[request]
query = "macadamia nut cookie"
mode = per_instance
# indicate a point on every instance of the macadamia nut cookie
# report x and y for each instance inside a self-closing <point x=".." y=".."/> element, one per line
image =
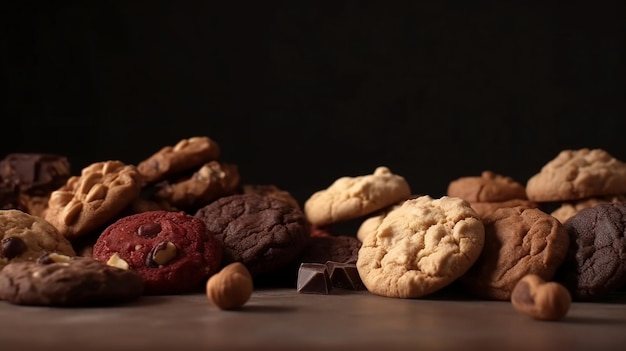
<point x="518" y="241"/>
<point x="352" y="197"/>
<point x="420" y="247"/>
<point x="578" y="174"/>
<point x="25" y="237"/>
<point x="94" y="198"/>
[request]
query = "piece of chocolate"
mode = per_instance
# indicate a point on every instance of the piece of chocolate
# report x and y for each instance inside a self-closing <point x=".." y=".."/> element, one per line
<point x="344" y="275"/>
<point x="313" y="278"/>
<point x="10" y="196"/>
<point x="35" y="173"/>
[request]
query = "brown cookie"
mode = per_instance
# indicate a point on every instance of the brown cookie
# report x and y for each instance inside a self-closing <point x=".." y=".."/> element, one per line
<point x="263" y="233"/>
<point x="484" y="208"/>
<point x="173" y="252"/>
<point x="595" y="264"/>
<point x="518" y="241"/>
<point x="570" y="208"/>
<point x="186" y="155"/>
<point x="578" y="174"/>
<point x="58" y="280"/>
<point x="94" y="198"/>
<point x="36" y="174"/>
<point x="213" y="180"/>
<point x="488" y="187"/>
<point x="271" y="191"/>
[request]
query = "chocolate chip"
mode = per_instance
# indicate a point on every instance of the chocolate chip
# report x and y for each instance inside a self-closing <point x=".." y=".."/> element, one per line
<point x="161" y="254"/>
<point x="13" y="247"/>
<point x="149" y="230"/>
<point x="313" y="278"/>
<point x="344" y="275"/>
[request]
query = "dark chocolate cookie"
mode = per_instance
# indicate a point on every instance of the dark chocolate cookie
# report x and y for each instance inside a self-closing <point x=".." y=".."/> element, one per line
<point x="339" y="248"/>
<point x="596" y="261"/>
<point x="34" y="173"/>
<point x="262" y="232"/>
<point x="172" y="251"/>
<point x="59" y="280"/>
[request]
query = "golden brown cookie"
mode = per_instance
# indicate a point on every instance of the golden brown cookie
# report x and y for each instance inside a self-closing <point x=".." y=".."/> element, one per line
<point x="518" y="241"/>
<point x="24" y="237"/>
<point x="578" y="174"/>
<point x="186" y="155"/>
<point x="570" y="208"/>
<point x="488" y="187"/>
<point x="212" y="181"/>
<point x="94" y="198"/>
<point x="483" y="208"/>
<point x="420" y="247"/>
<point x="353" y="197"/>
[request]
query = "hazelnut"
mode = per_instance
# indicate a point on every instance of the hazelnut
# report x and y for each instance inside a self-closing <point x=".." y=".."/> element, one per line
<point x="539" y="299"/>
<point x="231" y="287"/>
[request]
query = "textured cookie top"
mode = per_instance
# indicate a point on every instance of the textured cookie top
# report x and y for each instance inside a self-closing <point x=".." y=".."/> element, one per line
<point x="67" y="281"/>
<point x="518" y="241"/>
<point x="596" y="260"/>
<point x="92" y="199"/>
<point x="570" y="208"/>
<point x="488" y="187"/>
<point x="352" y="197"/>
<point x="577" y="174"/>
<point x="187" y="154"/>
<point x="420" y="247"/>
<point x="24" y="237"/>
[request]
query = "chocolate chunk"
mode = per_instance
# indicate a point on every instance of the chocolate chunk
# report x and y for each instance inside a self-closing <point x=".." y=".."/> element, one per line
<point x="10" y="196"/>
<point x="13" y="247"/>
<point x="34" y="173"/>
<point x="149" y="230"/>
<point x="313" y="278"/>
<point x="344" y="275"/>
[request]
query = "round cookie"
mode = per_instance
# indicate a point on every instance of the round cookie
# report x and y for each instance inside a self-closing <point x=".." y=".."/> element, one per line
<point x="172" y="251"/>
<point x="211" y="181"/>
<point x="336" y="248"/>
<point x="488" y="187"/>
<point x="578" y="174"/>
<point x="353" y="197"/>
<point x="24" y="237"/>
<point x="570" y="208"/>
<point x="272" y="191"/>
<point x="484" y="208"/>
<point x="94" y="198"/>
<point x="596" y="260"/>
<point x="58" y="280"/>
<point x="420" y="247"/>
<point x="186" y="155"/>
<point x="518" y="241"/>
<point x="262" y="232"/>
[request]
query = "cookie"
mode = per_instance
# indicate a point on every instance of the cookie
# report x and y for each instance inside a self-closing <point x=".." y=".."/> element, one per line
<point x="24" y="237"/>
<point x="271" y="191"/>
<point x="173" y="252"/>
<point x="578" y="174"/>
<point x="353" y="197"/>
<point x="262" y="232"/>
<point x="568" y="209"/>
<point x="518" y="241"/>
<point x="36" y="174"/>
<point x="488" y="187"/>
<point x="336" y="248"/>
<point x="186" y="155"/>
<point x="94" y="198"/>
<point x="10" y="198"/>
<point x="58" y="280"/>
<point x="213" y="180"/>
<point x="420" y="247"/>
<point x="484" y="208"/>
<point x="595" y="264"/>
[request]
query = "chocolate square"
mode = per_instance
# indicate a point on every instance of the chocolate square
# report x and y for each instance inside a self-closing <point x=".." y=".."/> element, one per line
<point x="344" y="275"/>
<point x="313" y="278"/>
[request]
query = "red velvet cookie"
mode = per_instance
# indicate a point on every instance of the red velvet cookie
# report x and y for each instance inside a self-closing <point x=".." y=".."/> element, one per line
<point x="172" y="251"/>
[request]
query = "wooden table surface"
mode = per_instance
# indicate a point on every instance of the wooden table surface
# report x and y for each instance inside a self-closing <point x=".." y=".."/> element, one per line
<point x="282" y="319"/>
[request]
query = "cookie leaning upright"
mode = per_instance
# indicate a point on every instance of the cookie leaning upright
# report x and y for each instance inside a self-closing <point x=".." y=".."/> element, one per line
<point x="420" y="247"/>
<point x="185" y="155"/>
<point x="353" y="197"/>
<point x="25" y="237"/>
<point x="94" y="198"/>
<point x="578" y="174"/>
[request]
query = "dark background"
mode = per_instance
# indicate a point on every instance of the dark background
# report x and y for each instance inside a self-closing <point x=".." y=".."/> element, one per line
<point x="300" y="93"/>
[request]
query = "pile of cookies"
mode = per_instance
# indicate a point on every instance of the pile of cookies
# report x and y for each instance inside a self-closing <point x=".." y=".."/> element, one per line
<point x="181" y="216"/>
